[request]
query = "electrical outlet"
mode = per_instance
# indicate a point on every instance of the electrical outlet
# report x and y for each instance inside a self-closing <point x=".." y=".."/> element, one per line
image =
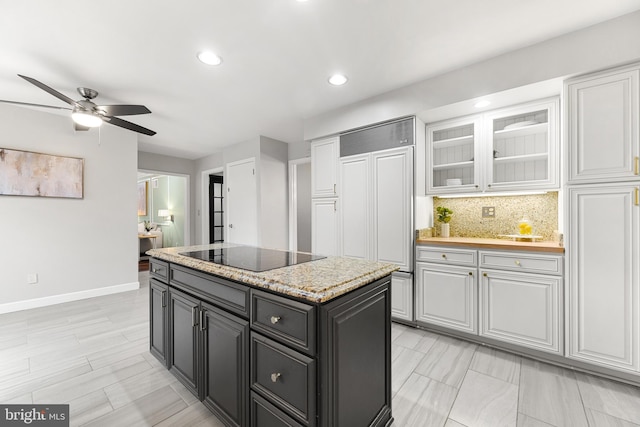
<point x="488" y="212"/>
<point x="32" y="278"/>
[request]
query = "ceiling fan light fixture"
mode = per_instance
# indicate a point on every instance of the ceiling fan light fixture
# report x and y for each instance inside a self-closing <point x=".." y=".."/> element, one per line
<point x="209" y="58"/>
<point x="86" y="119"/>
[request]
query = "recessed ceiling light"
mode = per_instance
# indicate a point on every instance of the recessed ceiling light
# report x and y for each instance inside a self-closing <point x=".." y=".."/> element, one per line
<point x="209" y="58"/>
<point x="483" y="103"/>
<point x="338" y="79"/>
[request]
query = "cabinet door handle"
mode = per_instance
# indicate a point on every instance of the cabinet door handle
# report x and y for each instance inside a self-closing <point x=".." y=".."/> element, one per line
<point x="517" y="262"/>
<point x="334" y="189"/>
<point x="275" y="319"/>
<point x="275" y="376"/>
<point x="194" y="316"/>
<point x="164" y="301"/>
<point x="335" y="207"/>
<point x="444" y="256"/>
<point x="637" y="196"/>
<point x="484" y="274"/>
<point x="471" y="273"/>
<point x="636" y="167"/>
<point x="203" y="325"/>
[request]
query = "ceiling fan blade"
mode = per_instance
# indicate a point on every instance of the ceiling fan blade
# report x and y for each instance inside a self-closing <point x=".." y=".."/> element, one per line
<point x="123" y="110"/>
<point x="53" y="92"/>
<point x="29" y="104"/>
<point x="78" y="127"/>
<point x="128" y="125"/>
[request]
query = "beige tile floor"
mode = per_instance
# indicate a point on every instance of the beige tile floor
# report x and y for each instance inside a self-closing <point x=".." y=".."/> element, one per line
<point x="93" y="354"/>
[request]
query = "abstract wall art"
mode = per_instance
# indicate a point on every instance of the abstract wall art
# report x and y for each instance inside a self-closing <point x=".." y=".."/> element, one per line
<point x="23" y="173"/>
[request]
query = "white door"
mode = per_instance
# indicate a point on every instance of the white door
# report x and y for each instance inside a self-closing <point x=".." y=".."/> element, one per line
<point x="324" y="231"/>
<point x="604" y="288"/>
<point x="392" y="213"/>
<point x="520" y="308"/>
<point x="355" y="209"/>
<point x="402" y="296"/>
<point x="603" y="127"/>
<point x="447" y="296"/>
<point x="242" y="203"/>
<point x="324" y="164"/>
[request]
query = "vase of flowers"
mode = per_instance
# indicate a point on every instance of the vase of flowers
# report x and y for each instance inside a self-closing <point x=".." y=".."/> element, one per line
<point x="444" y="216"/>
<point x="148" y="227"/>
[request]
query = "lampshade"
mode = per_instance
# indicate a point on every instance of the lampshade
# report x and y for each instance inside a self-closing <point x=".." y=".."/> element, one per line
<point x="163" y="213"/>
<point x="86" y="119"/>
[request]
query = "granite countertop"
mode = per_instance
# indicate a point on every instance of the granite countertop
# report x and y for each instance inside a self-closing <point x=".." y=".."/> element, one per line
<point x="474" y="242"/>
<point x="317" y="281"/>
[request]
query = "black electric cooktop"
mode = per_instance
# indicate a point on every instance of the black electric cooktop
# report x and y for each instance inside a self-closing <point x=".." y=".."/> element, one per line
<point x="252" y="258"/>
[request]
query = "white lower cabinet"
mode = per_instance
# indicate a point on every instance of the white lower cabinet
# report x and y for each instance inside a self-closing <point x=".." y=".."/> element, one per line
<point x="402" y="296"/>
<point x="512" y="296"/>
<point x="604" y="275"/>
<point x="447" y="296"/>
<point x="521" y="308"/>
<point x="324" y="226"/>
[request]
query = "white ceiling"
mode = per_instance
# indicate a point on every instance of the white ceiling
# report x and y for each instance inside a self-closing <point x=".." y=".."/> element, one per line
<point x="277" y="55"/>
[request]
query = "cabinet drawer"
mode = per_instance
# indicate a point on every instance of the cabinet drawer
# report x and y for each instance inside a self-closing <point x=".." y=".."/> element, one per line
<point x="285" y="377"/>
<point x="229" y="295"/>
<point x="264" y="414"/>
<point x="291" y="322"/>
<point x="466" y="257"/>
<point x="159" y="269"/>
<point x="525" y="262"/>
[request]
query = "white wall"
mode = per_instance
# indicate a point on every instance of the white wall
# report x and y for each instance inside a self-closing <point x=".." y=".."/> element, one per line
<point x="209" y="163"/>
<point x="600" y="46"/>
<point x="272" y="192"/>
<point x="78" y="247"/>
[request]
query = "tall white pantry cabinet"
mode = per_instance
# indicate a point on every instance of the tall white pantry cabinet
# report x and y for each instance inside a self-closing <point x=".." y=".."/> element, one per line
<point x="324" y="196"/>
<point x="603" y="218"/>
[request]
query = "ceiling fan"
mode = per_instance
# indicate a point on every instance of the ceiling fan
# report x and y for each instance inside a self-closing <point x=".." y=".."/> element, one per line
<point x="86" y="114"/>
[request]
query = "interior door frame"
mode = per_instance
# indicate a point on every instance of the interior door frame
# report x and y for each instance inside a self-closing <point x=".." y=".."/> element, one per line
<point x="187" y="200"/>
<point x="204" y="208"/>
<point x="293" y="201"/>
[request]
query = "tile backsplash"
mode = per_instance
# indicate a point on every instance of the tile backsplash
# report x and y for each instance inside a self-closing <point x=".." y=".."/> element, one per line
<point x="540" y="209"/>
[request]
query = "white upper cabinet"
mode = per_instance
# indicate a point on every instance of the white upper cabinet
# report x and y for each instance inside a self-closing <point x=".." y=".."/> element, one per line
<point x="521" y="150"/>
<point x="513" y="148"/>
<point x="453" y="153"/>
<point x="602" y="126"/>
<point x="324" y="165"/>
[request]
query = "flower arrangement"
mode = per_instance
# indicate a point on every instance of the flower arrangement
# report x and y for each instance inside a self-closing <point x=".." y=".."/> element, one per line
<point x="444" y="214"/>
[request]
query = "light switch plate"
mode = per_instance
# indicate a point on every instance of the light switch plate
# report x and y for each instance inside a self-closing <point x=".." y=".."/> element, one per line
<point x="488" y="212"/>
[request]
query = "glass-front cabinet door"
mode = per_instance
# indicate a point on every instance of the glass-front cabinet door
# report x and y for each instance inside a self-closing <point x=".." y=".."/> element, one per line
<point x="453" y="156"/>
<point x="522" y="147"/>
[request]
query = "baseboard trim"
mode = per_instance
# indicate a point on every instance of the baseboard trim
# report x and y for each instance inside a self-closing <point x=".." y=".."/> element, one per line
<point x="62" y="298"/>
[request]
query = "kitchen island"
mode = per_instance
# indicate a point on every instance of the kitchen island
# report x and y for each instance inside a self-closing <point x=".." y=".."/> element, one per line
<point x="305" y="344"/>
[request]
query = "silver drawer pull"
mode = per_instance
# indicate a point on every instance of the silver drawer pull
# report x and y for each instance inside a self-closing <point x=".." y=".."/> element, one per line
<point x="275" y="376"/>
<point x="517" y="262"/>
<point x="275" y="319"/>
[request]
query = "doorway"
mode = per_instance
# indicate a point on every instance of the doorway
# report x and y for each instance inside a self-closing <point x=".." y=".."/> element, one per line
<point x="216" y="208"/>
<point x="300" y="205"/>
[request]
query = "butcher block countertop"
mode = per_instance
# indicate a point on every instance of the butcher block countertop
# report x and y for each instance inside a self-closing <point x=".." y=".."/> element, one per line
<point x="502" y="244"/>
<point x="317" y="281"/>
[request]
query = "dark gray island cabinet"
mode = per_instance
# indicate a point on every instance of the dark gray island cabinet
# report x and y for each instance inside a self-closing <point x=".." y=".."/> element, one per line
<point x="295" y="346"/>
